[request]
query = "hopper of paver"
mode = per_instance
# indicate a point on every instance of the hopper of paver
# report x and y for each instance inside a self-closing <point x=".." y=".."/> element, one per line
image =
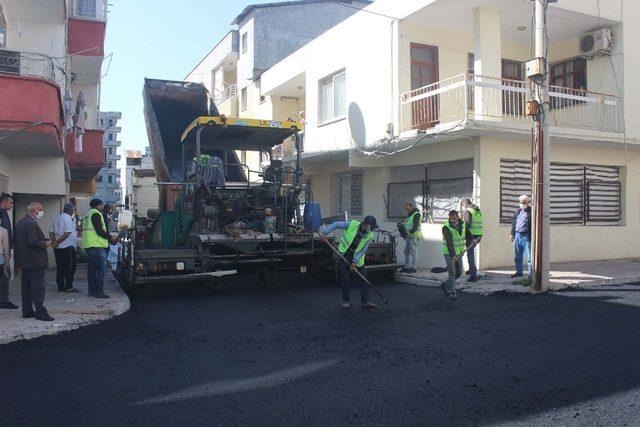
<point x="169" y="107"/>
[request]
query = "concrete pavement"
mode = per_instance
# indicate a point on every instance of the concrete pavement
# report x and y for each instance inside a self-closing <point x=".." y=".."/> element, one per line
<point x="564" y="275"/>
<point x="70" y="311"/>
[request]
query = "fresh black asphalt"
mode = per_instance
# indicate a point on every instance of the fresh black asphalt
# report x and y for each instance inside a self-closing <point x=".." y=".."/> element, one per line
<point x="288" y="355"/>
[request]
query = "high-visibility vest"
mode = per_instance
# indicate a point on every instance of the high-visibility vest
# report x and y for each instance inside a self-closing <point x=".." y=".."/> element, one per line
<point x="204" y="159"/>
<point x="476" y="227"/>
<point x="458" y="239"/>
<point x="90" y="238"/>
<point x="347" y="239"/>
<point x="408" y="225"/>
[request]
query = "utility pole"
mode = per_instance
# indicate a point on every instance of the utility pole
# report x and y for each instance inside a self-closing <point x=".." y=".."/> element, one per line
<point x="540" y="163"/>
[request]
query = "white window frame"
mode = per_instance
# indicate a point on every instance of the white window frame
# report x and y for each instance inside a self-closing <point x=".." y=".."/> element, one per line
<point x="322" y="102"/>
<point x="244" y="42"/>
<point x="82" y="8"/>
<point x="243" y="99"/>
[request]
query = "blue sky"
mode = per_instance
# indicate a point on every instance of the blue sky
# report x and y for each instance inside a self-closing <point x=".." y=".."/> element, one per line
<point x="158" y="39"/>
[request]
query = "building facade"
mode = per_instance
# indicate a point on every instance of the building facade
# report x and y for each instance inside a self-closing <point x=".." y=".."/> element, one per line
<point x="50" y="142"/>
<point x="424" y="101"/>
<point x="263" y="35"/>
<point x="108" y="186"/>
<point x="135" y="160"/>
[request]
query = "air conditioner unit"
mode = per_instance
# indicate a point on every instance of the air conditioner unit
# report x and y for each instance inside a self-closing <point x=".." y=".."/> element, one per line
<point x="597" y="42"/>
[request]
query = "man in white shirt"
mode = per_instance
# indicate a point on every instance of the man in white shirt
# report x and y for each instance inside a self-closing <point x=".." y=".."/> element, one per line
<point x="65" y="237"/>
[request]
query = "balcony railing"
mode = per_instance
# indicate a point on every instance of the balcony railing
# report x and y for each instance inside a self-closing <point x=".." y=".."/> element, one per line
<point x="26" y="64"/>
<point x="475" y="97"/>
<point x="95" y="10"/>
<point x="227" y="92"/>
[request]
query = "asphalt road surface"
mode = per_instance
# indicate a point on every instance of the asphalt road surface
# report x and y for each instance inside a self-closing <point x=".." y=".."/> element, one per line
<point x="290" y="356"/>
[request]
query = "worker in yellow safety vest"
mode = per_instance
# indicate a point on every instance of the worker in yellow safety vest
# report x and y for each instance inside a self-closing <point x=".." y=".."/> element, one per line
<point x="454" y="235"/>
<point x="95" y="242"/>
<point x="412" y="231"/>
<point x="353" y="247"/>
<point x="472" y="217"/>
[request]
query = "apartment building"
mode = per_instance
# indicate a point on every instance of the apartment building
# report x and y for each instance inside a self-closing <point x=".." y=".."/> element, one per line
<point x="135" y="160"/>
<point x="264" y="34"/>
<point x="424" y="101"/>
<point x="50" y="53"/>
<point x="108" y="186"/>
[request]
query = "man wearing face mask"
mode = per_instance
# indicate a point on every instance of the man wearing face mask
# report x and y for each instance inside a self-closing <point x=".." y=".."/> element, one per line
<point x="353" y="246"/>
<point x="64" y="234"/>
<point x="521" y="235"/>
<point x="31" y="257"/>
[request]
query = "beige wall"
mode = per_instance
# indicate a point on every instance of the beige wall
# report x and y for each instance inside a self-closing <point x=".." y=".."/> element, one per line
<point x="38" y="176"/>
<point x="568" y="242"/>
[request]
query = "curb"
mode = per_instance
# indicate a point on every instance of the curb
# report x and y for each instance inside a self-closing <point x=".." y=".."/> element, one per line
<point x="68" y="321"/>
<point x="514" y="289"/>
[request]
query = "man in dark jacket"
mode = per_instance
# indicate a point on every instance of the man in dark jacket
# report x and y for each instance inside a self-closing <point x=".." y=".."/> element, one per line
<point x="6" y="204"/>
<point x="31" y="257"/>
<point x="521" y="235"/>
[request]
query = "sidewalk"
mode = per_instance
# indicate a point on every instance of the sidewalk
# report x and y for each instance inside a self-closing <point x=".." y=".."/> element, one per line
<point x="71" y="311"/>
<point x="564" y="275"/>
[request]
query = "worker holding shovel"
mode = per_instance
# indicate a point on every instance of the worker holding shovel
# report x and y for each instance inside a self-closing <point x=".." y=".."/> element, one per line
<point x="352" y="250"/>
<point x="454" y="235"/>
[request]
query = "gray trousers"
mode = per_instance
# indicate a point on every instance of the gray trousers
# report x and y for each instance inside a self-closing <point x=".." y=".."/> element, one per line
<point x="455" y="271"/>
<point x="410" y="252"/>
<point x="33" y="292"/>
<point x="4" y="285"/>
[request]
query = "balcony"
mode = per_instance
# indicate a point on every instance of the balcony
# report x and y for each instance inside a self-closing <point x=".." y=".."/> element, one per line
<point x="31" y="117"/>
<point x="226" y="100"/>
<point x="86" y="164"/>
<point x="470" y="98"/>
<point x="85" y="39"/>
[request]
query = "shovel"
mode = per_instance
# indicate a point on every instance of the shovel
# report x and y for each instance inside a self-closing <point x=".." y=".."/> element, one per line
<point x="364" y="279"/>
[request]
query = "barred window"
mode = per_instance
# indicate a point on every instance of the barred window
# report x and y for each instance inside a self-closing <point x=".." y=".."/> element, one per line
<point x="401" y="193"/>
<point x="86" y="8"/>
<point x="580" y="194"/>
<point x="346" y="194"/>
<point x="447" y="184"/>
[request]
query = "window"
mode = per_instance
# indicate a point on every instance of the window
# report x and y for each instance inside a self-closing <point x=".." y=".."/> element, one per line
<point x="245" y="42"/>
<point x="110" y="136"/>
<point x="101" y="122"/>
<point x="99" y="178"/>
<point x="3" y="29"/>
<point x="333" y="97"/>
<point x="110" y="122"/>
<point x="110" y="179"/>
<point x="105" y="154"/>
<point x="86" y="8"/>
<point x="243" y="99"/>
<point x="570" y="74"/>
<point x="110" y="151"/>
<point x="580" y="194"/>
<point x="447" y="184"/>
<point x="346" y="194"/>
<point x="400" y="193"/>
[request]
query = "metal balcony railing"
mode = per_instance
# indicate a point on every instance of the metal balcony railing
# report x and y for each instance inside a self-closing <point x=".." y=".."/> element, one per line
<point x="227" y="92"/>
<point x="95" y="10"/>
<point x="27" y="64"/>
<point x="471" y="96"/>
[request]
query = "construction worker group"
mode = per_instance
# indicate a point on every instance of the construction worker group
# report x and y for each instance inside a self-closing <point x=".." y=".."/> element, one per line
<point x="460" y="235"/>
